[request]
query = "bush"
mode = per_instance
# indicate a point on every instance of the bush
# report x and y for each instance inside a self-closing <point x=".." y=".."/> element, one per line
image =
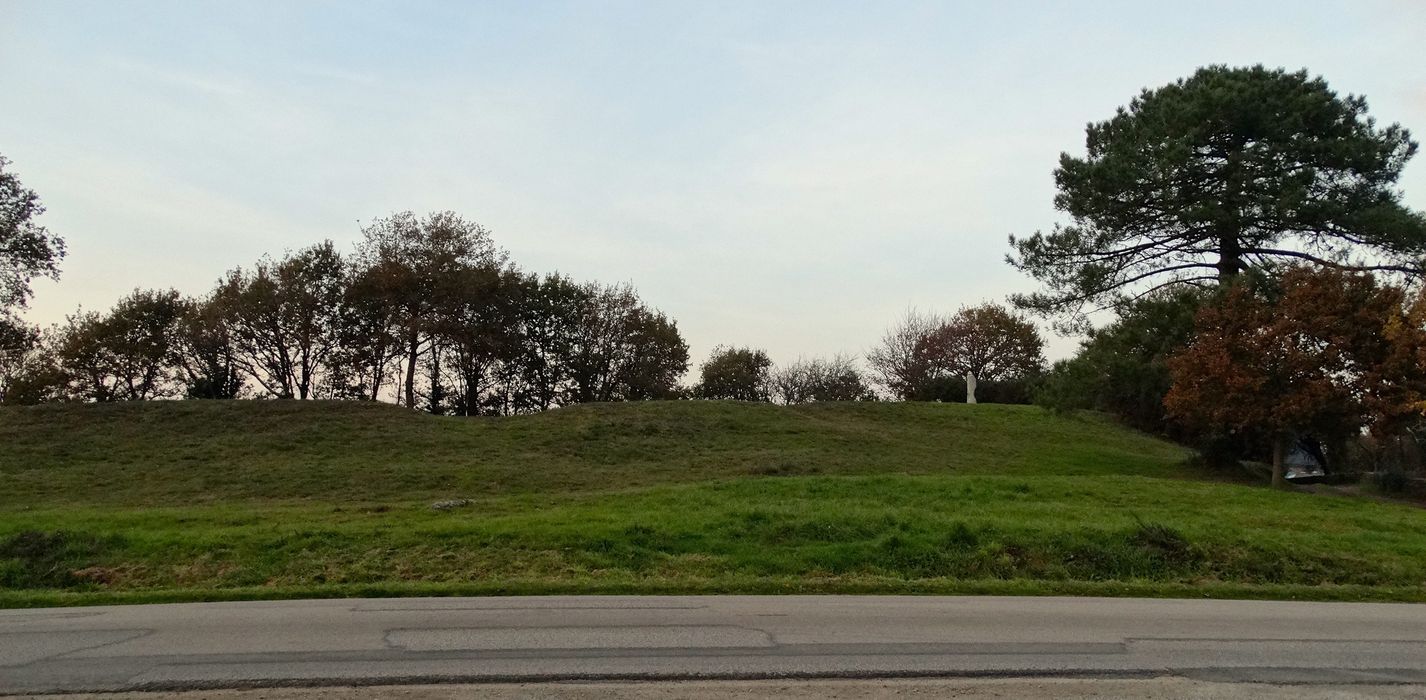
<point x="737" y="374"/>
<point x="38" y="559"/>
<point x="803" y="381"/>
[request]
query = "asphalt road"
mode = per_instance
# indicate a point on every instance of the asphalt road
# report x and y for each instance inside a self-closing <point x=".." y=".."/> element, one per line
<point x="367" y="642"/>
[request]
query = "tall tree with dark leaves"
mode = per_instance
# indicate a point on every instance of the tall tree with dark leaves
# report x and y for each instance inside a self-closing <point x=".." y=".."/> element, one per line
<point x="284" y="316"/>
<point x="623" y="350"/>
<point x="1228" y="170"/>
<point x="17" y="342"/>
<point x="312" y="282"/>
<point x="476" y="329"/>
<point x="125" y="354"/>
<point x="205" y="351"/>
<point x="550" y="314"/>
<point x="252" y="307"/>
<point x="27" y="249"/>
<point x="409" y="257"/>
<point x="361" y="366"/>
<point x="657" y="357"/>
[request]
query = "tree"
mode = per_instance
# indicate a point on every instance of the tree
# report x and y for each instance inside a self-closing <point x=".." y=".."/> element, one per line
<point x="1228" y="170"/>
<point x="34" y="376"/>
<point x="252" y="308"/>
<point x="284" y="317"/>
<point x="622" y="350"/>
<point x="312" y="284"/>
<point x="1326" y="353"/>
<point x="658" y="358"/>
<point x="1122" y="367"/>
<point x="794" y="383"/>
<point x="206" y="352"/>
<point x="601" y="346"/>
<point x="736" y="374"/>
<point x="897" y="367"/>
<point x="408" y="258"/>
<point x="478" y="327"/>
<point x="124" y="355"/>
<point x="360" y="366"/>
<point x="27" y="250"/>
<point x="985" y="342"/>
<point x="550" y="313"/>
<point x="17" y="342"/>
<point x="817" y="379"/>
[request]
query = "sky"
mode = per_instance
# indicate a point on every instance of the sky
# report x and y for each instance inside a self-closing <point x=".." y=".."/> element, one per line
<point x="785" y="175"/>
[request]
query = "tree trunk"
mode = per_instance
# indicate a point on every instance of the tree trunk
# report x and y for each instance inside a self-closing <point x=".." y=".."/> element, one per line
<point x="304" y="382"/>
<point x="472" y="396"/>
<point x="433" y="405"/>
<point x="1280" y="446"/>
<point x="1230" y="257"/>
<point x="412" y="353"/>
<point x="380" y="367"/>
<point x="472" y="375"/>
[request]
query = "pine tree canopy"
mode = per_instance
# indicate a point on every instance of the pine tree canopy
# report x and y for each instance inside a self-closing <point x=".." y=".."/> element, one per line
<point x="1229" y="170"/>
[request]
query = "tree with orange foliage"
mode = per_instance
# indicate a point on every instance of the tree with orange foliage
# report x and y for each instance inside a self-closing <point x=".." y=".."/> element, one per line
<point x="1320" y="351"/>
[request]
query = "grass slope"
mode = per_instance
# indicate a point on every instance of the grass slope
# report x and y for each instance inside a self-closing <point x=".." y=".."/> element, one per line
<point x="203" y="500"/>
<point x="175" y="453"/>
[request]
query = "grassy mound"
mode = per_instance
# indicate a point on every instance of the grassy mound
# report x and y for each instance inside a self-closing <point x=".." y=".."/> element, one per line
<point x="197" y="500"/>
<point x="179" y="453"/>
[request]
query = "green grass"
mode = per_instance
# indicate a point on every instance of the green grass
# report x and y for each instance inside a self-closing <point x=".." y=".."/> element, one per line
<point x="165" y="453"/>
<point x="198" y="500"/>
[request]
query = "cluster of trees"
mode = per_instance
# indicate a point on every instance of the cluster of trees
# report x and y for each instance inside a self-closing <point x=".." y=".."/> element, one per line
<point x="1324" y="352"/>
<point x="426" y="312"/>
<point x="986" y="352"/>
<point x="836" y="378"/>
<point x="748" y="374"/>
<point x="1244" y="226"/>
<point x="924" y="357"/>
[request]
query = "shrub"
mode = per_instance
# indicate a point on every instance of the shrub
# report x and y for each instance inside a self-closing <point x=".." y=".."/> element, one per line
<point x="804" y="381"/>
<point x="38" y="559"/>
<point x="738" y="374"/>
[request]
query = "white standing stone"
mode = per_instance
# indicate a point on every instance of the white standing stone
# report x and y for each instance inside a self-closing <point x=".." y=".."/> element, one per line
<point x="970" y="387"/>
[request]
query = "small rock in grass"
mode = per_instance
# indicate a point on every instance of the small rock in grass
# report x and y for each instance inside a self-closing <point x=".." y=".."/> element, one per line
<point x="453" y="503"/>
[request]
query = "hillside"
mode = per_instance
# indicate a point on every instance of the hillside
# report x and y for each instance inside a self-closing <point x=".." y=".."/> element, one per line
<point x="178" y="453"/>
<point x="213" y="500"/>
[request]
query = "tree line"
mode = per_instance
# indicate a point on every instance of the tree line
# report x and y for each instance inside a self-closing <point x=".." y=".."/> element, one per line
<point x="429" y="313"/>
<point x="426" y="312"/>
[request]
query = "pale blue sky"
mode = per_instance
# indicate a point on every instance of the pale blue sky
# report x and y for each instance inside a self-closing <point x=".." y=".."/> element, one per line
<point x="782" y="174"/>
